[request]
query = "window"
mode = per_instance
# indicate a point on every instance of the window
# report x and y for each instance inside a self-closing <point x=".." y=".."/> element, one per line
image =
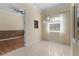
<point x="54" y="27"/>
<point x="56" y="24"/>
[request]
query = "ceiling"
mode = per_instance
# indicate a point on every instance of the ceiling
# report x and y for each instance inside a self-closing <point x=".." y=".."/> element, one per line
<point x="45" y="6"/>
<point x="40" y="6"/>
<point x="13" y="8"/>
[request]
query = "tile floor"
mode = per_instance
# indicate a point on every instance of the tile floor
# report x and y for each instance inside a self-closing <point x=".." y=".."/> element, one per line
<point x="42" y="48"/>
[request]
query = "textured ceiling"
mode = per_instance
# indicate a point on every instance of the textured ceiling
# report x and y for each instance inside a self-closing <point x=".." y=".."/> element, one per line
<point x="44" y="6"/>
<point x="40" y="6"/>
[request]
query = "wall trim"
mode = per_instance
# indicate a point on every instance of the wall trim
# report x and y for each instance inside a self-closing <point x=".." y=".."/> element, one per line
<point x="11" y="38"/>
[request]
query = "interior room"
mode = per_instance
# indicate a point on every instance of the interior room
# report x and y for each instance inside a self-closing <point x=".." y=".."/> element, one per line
<point x="39" y="29"/>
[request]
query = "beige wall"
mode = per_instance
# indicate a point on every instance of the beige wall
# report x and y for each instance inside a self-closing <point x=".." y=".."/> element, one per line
<point x="11" y="21"/>
<point x="31" y="35"/>
<point x="57" y="37"/>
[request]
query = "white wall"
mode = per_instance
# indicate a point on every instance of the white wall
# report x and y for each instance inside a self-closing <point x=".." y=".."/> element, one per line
<point x="11" y="21"/>
<point x="32" y="35"/>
